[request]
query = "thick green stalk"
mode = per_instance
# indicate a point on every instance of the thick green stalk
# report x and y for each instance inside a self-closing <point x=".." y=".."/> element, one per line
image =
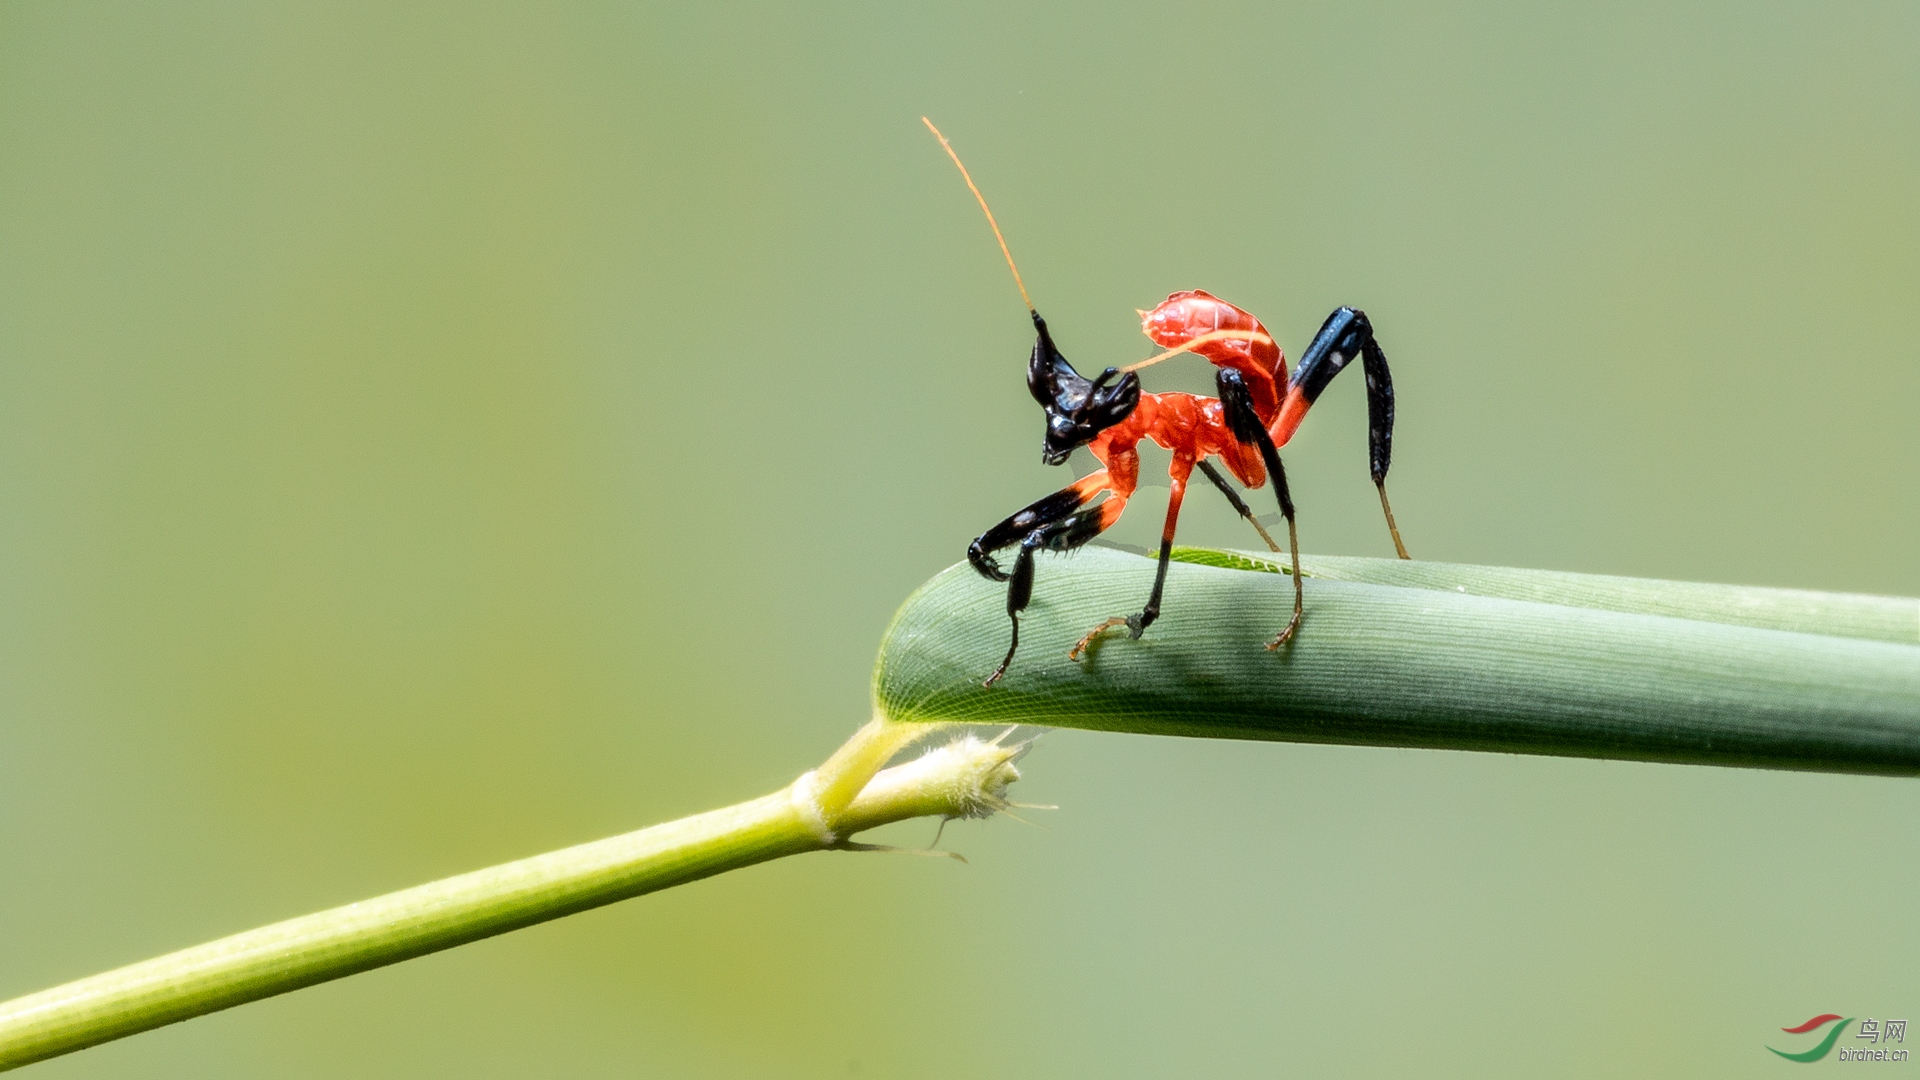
<point x="965" y="779"/>
<point x="1612" y="667"/>
<point x="1877" y="618"/>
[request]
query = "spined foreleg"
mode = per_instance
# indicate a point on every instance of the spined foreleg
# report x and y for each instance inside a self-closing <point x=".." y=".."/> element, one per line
<point x="1064" y="534"/>
<point x="1060" y="522"/>
<point x="1036" y="515"/>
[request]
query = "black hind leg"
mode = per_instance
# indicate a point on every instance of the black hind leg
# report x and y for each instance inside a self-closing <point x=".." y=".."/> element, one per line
<point x="1346" y="334"/>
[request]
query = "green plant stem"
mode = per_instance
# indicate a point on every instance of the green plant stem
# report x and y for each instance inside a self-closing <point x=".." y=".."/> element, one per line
<point x="1608" y="669"/>
<point x="964" y="779"/>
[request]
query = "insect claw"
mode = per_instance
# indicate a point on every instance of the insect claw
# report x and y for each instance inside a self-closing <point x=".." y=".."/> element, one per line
<point x="1285" y="635"/>
<point x="1087" y="642"/>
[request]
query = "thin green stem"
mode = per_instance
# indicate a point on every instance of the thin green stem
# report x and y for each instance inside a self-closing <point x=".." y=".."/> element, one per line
<point x="967" y="778"/>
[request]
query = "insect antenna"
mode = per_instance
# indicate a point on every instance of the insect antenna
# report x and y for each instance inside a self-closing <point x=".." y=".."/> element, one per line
<point x="1210" y="336"/>
<point x="968" y="177"/>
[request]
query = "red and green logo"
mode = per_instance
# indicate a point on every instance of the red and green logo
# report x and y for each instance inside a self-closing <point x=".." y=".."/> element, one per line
<point x="1825" y="1045"/>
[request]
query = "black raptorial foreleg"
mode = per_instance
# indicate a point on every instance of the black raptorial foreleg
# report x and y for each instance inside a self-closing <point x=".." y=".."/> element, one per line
<point x="1346" y="334"/>
<point x="1037" y="515"/>
<point x="1063" y="534"/>
<point x="1245" y="424"/>
<point x="1060" y="522"/>
<point x="1239" y="504"/>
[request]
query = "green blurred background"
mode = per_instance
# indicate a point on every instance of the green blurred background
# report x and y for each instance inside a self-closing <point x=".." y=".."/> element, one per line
<point x="430" y="436"/>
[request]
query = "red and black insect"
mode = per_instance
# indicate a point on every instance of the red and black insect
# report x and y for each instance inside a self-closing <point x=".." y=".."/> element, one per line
<point x="1259" y="408"/>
